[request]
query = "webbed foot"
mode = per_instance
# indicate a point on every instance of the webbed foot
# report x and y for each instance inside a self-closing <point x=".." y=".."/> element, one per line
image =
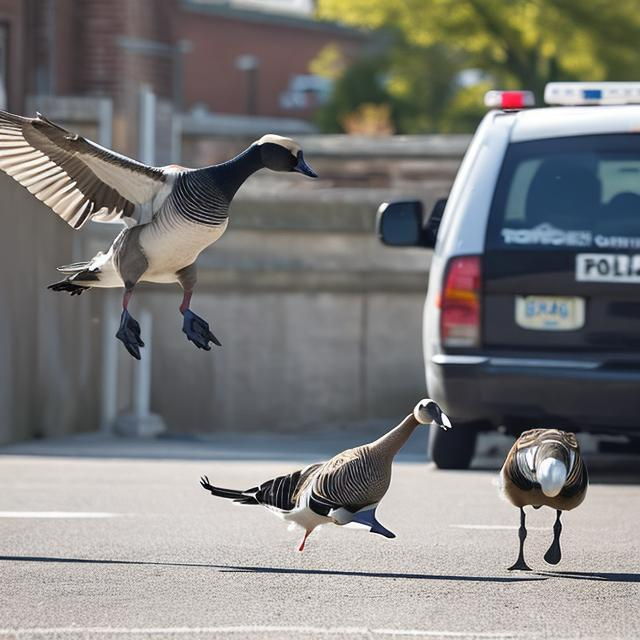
<point x="129" y="334"/>
<point x="554" y="555"/>
<point x="197" y="331"/>
<point x="520" y="565"/>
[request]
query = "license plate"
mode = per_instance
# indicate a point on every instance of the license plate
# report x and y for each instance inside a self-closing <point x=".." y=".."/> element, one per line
<point x="550" y="313"/>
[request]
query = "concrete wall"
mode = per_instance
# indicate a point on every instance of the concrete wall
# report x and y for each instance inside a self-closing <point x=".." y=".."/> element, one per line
<point x="48" y="347"/>
<point x="319" y="322"/>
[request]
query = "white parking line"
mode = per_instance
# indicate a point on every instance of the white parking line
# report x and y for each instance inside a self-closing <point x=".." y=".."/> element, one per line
<point x="245" y="629"/>
<point x="495" y="527"/>
<point x="57" y="514"/>
<point x="443" y="634"/>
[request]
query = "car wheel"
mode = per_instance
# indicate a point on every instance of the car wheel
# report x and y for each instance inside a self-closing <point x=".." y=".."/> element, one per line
<point x="453" y="449"/>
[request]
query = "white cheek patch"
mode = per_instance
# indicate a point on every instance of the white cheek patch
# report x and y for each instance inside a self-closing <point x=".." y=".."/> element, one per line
<point x="281" y="141"/>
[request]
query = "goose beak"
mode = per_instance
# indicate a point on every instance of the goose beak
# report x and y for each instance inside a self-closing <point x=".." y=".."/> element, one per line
<point x="551" y="474"/>
<point x="304" y="168"/>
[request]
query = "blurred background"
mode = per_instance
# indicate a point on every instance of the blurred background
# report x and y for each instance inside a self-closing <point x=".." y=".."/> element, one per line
<point x="320" y="323"/>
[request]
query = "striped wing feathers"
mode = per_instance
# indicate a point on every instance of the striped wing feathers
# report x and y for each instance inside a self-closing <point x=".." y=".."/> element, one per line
<point x="534" y="436"/>
<point x="75" y="177"/>
<point x="282" y="493"/>
<point x="519" y="463"/>
<point x="353" y="479"/>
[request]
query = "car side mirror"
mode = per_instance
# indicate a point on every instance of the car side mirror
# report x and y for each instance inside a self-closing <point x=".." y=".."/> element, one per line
<point x="400" y="224"/>
<point x="433" y="223"/>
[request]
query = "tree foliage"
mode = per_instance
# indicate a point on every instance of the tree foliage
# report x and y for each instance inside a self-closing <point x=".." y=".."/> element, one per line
<point x="520" y="43"/>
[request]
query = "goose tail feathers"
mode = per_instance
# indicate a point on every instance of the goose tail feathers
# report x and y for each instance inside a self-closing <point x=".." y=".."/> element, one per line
<point x="68" y="286"/>
<point x="74" y="267"/>
<point x="241" y="497"/>
<point x="81" y="276"/>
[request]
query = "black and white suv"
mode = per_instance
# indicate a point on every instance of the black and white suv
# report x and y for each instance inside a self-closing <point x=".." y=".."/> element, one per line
<point x="532" y="315"/>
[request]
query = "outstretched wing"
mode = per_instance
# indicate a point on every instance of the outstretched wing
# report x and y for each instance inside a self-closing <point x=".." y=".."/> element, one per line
<point x="75" y="177"/>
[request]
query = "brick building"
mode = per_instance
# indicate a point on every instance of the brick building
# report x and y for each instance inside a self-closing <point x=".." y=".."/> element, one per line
<point x="220" y="57"/>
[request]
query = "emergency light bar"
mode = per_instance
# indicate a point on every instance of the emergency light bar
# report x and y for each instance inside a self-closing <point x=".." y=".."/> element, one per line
<point x="585" y="93"/>
<point x="509" y="99"/>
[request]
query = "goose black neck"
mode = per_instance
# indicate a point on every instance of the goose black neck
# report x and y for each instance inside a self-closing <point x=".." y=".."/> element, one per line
<point x="231" y="175"/>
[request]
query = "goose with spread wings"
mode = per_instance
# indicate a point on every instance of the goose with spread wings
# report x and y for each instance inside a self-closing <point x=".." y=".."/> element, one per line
<point x="170" y="213"/>
<point x="344" y="490"/>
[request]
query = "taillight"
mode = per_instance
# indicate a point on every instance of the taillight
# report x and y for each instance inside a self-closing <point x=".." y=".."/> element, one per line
<point x="460" y="303"/>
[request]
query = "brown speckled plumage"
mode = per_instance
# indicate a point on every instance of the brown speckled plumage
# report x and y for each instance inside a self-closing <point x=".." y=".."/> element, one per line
<point x="544" y="468"/>
<point x="523" y="491"/>
<point x="345" y="489"/>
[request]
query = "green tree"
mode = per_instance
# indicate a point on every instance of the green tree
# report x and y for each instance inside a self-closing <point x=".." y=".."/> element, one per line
<point x="360" y="83"/>
<point x="414" y="82"/>
<point x="524" y="43"/>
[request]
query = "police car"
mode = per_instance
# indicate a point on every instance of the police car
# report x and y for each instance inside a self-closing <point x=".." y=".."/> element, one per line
<point x="532" y="316"/>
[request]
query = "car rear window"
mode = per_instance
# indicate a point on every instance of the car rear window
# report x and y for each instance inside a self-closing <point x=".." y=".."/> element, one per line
<point x="580" y="192"/>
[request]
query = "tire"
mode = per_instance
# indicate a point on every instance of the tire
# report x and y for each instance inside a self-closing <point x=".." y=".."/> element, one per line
<point x="453" y="449"/>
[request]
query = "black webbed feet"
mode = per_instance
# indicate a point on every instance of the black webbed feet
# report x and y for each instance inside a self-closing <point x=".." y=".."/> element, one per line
<point x="520" y="565"/>
<point x="197" y="331"/>
<point x="554" y="554"/>
<point x="129" y="334"/>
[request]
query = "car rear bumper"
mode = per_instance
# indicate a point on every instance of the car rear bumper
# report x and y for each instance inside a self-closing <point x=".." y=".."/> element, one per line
<point x="583" y="394"/>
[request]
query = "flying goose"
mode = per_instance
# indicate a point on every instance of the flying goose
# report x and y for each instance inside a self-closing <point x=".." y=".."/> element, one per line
<point x="344" y="490"/>
<point x="170" y="213"/>
<point x="544" y="468"/>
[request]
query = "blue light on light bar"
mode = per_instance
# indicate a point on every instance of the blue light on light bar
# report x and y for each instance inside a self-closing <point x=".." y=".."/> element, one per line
<point x="590" y="93"/>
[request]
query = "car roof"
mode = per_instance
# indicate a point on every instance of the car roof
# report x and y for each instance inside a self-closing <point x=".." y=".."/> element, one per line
<point x="555" y="122"/>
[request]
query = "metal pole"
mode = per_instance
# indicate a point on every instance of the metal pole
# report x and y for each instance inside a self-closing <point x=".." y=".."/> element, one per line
<point x="142" y="380"/>
<point x="147" y="125"/>
<point x="109" y="398"/>
<point x="142" y="375"/>
<point x="105" y="121"/>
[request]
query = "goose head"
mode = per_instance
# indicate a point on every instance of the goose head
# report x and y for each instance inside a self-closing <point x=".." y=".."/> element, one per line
<point x="283" y="154"/>
<point x="552" y="463"/>
<point x="428" y="411"/>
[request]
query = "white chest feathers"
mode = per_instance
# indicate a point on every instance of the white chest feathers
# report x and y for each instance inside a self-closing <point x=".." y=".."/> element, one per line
<point x="170" y="247"/>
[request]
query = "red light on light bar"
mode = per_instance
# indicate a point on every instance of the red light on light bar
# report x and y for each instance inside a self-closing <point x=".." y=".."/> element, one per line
<point x="512" y="100"/>
<point x="509" y="99"/>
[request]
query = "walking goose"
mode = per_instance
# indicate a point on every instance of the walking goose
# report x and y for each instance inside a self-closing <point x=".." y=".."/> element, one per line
<point x="344" y="490"/>
<point x="170" y="213"/>
<point x="544" y="468"/>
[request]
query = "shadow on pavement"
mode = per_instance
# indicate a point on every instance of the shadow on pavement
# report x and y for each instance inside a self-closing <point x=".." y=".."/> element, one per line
<point x="276" y="570"/>
<point x="370" y="574"/>
<point x="585" y="575"/>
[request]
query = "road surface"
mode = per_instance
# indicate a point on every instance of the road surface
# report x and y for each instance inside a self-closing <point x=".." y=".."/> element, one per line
<point x="102" y="538"/>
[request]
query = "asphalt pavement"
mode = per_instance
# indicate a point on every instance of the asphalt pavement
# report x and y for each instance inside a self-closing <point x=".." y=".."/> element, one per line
<point x="105" y="538"/>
